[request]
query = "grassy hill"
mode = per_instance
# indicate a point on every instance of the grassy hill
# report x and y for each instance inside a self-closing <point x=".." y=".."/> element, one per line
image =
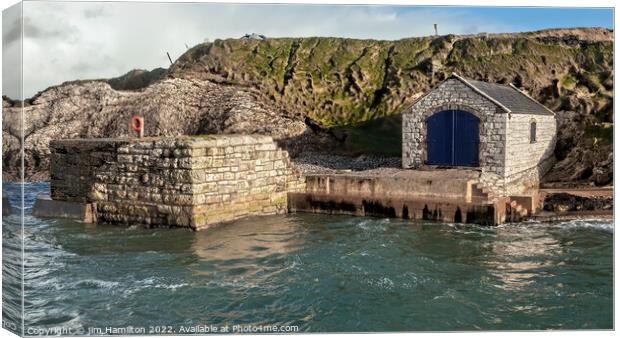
<point x="339" y="82"/>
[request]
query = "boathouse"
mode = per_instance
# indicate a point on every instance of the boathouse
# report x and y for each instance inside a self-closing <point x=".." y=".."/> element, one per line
<point x="495" y="129"/>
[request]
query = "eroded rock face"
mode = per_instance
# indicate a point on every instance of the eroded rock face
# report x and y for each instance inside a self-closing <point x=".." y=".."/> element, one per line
<point x="563" y="202"/>
<point x="170" y="107"/>
<point x="342" y="81"/>
<point x="582" y="157"/>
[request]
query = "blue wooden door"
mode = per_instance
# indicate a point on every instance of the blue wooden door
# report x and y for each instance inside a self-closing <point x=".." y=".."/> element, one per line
<point x="439" y="138"/>
<point x="453" y="138"/>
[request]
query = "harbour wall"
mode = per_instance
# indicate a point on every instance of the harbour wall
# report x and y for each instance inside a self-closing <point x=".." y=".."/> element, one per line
<point x="192" y="182"/>
<point x="417" y="195"/>
<point x="197" y="182"/>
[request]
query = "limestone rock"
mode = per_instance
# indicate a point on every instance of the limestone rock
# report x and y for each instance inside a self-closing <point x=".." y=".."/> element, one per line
<point x="563" y="202"/>
<point x="584" y="156"/>
<point x="92" y="109"/>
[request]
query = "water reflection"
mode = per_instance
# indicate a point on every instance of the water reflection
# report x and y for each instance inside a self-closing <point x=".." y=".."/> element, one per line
<point x="249" y="238"/>
<point x="521" y="254"/>
<point x="246" y="242"/>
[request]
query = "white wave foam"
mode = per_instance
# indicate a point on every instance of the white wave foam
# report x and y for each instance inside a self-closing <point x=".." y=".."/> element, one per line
<point x="97" y="283"/>
<point x="170" y="286"/>
<point x="382" y="283"/>
<point x="151" y="282"/>
<point x="593" y="224"/>
<point x="293" y="262"/>
<point x="603" y="225"/>
<point x="371" y="225"/>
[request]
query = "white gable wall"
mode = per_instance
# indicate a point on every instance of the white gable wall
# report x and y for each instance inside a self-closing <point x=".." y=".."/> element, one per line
<point x="526" y="162"/>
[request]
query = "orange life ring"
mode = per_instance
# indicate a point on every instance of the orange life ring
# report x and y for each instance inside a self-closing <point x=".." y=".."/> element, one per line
<point x="137" y="123"/>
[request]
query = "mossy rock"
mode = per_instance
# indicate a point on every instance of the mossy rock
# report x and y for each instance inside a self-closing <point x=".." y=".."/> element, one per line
<point x="343" y="82"/>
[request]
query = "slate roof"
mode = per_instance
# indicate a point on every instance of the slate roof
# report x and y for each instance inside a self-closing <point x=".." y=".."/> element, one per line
<point x="510" y="98"/>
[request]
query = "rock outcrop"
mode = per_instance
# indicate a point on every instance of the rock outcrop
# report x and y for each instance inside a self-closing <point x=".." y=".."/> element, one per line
<point x="92" y="109"/>
<point x="137" y="78"/>
<point x="340" y="81"/>
<point x="563" y="202"/>
<point x="294" y="88"/>
<point x="584" y="151"/>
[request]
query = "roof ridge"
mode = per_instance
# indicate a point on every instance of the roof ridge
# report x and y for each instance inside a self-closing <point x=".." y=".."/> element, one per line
<point x="529" y="97"/>
<point x="477" y="90"/>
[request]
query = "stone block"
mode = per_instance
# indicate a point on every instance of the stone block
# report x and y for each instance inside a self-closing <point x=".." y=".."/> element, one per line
<point x="161" y="182"/>
<point x="46" y="207"/>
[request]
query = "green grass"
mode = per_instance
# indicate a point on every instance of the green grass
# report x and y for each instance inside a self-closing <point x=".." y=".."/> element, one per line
<point x="602" y="133"/>
<point x="569" y="81"/>
<point x="378" y="136"/>
<point x="340" y="82"/>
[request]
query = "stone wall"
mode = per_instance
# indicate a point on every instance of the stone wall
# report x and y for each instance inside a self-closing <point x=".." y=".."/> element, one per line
<point x="405" y="184"/>
<point x="523" y="154"/>
<point x="526" y="162"/>
<point x="185" y="181"/>
<point x="528" y="180"/>
<point x="453" y="94"/>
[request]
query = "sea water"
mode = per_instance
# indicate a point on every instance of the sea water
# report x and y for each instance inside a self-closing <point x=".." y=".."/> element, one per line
<point x="304" y="272"/>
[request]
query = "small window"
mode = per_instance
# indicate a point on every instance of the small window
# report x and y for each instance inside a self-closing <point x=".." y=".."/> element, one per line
<point x="533" y="132"/>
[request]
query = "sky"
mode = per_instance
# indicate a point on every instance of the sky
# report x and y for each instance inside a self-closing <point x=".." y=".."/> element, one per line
<point x="87" y="40"/>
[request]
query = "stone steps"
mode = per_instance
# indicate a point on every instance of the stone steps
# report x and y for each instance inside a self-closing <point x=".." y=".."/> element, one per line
<point x="518" y="208"/>
<point x="481" y="192"/>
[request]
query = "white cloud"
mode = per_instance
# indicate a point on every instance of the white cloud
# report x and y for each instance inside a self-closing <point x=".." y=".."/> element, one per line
<point x="85" y="40"/>
<point x="11" y="51"/>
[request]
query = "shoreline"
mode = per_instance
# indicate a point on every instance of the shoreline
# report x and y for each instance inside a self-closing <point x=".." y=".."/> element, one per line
<point x="585" y="215"/>
<point x="542" y="216"/>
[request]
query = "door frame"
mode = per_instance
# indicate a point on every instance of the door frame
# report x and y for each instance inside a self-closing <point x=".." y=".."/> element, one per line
<point x="451" y="107"/>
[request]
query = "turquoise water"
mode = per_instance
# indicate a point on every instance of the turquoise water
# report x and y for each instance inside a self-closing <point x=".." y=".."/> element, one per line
<point x="319" y="273"/>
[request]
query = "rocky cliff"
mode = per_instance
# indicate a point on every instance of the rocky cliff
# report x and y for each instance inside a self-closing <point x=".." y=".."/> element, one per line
<point x="293" y="88"/>
<point x="342" y="81"/>
<point x="93" y="109"/>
